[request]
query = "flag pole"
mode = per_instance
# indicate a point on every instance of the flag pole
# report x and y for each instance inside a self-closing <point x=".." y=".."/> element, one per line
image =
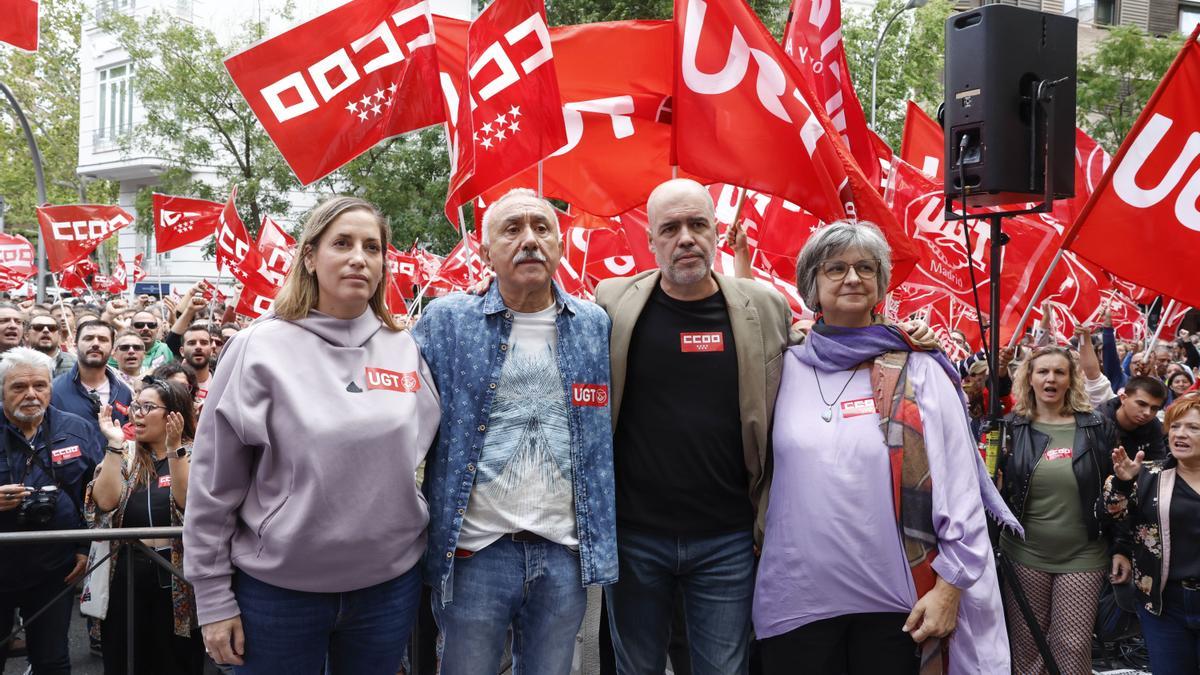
<point x="1037" y="294"/>
<point x="540" y="193"/>
<point x="63" y="307"/>
<point x="583" y="272"/>
<point x="418" y="299"/>
<point x="1162" y="319"/>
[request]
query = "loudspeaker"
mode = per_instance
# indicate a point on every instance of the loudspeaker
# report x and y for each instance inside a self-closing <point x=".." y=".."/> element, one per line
<point x="996" y="56"/>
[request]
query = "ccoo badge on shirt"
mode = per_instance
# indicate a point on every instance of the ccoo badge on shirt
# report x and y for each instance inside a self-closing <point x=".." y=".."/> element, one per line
<point x="702" y="342"/>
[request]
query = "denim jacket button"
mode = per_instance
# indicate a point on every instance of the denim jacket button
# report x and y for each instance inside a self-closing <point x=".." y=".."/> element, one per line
<point x="492" y="385"/>
<point x="503" y="347"/>
<point x="461" y="511"/>
<point x="483" y="427"/>
<point x="471" y="468"/>
<point x="449" y="554"/>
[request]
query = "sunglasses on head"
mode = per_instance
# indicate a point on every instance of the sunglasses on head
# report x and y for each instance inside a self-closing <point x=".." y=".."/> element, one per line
<point x="145" y="324"/>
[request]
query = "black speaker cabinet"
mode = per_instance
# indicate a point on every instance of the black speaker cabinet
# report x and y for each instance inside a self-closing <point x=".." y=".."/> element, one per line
<point x="995" y="57"/>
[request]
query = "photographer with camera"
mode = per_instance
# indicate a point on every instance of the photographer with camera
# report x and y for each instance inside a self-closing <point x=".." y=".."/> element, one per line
<point x="47" y="456"/>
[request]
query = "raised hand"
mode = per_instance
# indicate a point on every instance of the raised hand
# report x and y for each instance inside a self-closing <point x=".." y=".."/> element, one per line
<point x="1126" y="469"/>
<point x="174" y="431"/>
<point x="109" y="427"/>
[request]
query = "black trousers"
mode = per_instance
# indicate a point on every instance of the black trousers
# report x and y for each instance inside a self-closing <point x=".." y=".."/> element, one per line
<point x="854" y="644"/>
<point x="45" y="638"/>
<point x="157" y="649"/>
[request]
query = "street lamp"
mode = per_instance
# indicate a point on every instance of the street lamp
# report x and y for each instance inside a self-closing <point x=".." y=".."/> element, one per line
<point x="911" y="4"/>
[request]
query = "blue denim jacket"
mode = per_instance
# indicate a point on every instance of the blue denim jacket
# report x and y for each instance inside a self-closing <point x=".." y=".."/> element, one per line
<point x="464" y="339"/>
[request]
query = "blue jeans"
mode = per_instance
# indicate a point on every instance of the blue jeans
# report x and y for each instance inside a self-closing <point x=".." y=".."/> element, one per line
<point x="536" y="588"/>
<point x="1173" y="637"/>
<point x="358" y="632"/>
<point x="716" y="576"/>
<point x="46" y="637"/>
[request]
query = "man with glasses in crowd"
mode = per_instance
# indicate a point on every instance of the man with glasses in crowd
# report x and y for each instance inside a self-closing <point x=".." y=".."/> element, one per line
<point x="128" y="351"/>
<point x="42" y="335"/>
<point x="146" y="324"/>
<point x="88" y="385"/>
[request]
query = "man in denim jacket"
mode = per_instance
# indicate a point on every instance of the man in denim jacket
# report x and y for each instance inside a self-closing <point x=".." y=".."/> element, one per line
<point x="520" y="483"/>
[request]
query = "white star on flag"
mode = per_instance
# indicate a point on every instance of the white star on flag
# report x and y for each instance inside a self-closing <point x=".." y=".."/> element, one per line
<point x="486" y="142"/>
<point x="500" y="119"/>
<point x="500" y="133"/>
<point x="487" y="128"/>
<point x="363" y="115"/>
<point x="391" y="89"/>
<point x="514" y="127"/>
<point x="375" y="109"/>
<point x="378" y="93"/>
<point x="352" y="106"/>
<point x="514" y="111"/>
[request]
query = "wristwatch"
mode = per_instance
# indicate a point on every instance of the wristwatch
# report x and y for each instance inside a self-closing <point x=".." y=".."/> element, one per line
<point x="181" y="452"/>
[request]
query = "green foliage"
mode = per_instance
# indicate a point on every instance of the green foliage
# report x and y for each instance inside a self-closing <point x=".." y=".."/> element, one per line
<point x="46" y="85"/>
<point x="910" y="60"/>
<point x="566" y="12"/>
<point x="1116" y="81"/>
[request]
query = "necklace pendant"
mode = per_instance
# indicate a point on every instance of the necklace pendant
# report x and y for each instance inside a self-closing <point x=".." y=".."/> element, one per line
<point x="828" y="414"/>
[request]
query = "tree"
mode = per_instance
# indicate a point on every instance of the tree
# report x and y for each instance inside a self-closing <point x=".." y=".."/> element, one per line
<point x="910" y="61"/>
<point x="46" y="84"/>
<point x="562" y="13"/>
<point x="1115" y="82"/>
<point x="195" y="116"/>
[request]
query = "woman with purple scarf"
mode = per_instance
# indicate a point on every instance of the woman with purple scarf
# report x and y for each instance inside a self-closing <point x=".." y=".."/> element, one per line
<point x="876" y="557"/>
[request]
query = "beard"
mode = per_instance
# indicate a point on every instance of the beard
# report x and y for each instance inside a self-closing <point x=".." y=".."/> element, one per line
<point x="26" y="418"/>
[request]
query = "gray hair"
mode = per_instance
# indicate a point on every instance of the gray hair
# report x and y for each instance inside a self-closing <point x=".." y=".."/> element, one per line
<point x="831" y="240"/>
<point x="489" y="216"/>
<point x="24" y="356"/>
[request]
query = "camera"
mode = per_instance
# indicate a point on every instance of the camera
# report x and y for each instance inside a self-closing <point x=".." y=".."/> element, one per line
<point x="37" y="510"/>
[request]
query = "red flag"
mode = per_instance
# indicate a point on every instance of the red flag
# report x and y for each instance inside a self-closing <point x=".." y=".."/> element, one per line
<point x="210" y="291"/>
<point x="1146" y="206"/>
<point x="459" y="269"/>
<point x="257" y="294"/>
<point x="72" y="232"/>
<point x="1076" y="285"/>
<point x="758" y="127"/>
<point x="328" y="90"/>
<point x="179" y="221"/>
<point x="19" y="26"/>
<point x="17" y="254"/>
<point x="776" y="228"/>
<point x="510" y="114"/>
<point x="813" y="38"/>
<point x="402" y="275"/>
<point x="72" y="280"/>
<point x="138" y="272"/>
<point x="277" y="249"/>
<point x="234" y="251"/>
<point x="923" y="142"/>
<point x="1171" y="321"/>
<point x="10" y="279"/>
<point x="118" y="281"/>
<point x="945" y="261"/>
<point x="100" y="282"/>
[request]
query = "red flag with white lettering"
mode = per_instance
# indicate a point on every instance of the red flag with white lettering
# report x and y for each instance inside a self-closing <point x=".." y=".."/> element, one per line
<point x="235" y="253"/>
<point x="100" y="282"/>
<point x="118" y="281"/>
<point x="138" y="272"/>
<point x="923" y="142"/>
<point x="277" y="249"/>
<point x="19" y="25"/>
<point x="1146" y="206"/>
<point x="72" y="232"/>
<point x="402" y="274"/>
<point x="329" y="89"/>
<point x="459" y="269"/>
<point x="813" y="38"/>
<point x="510" y="113"/>
<point x="179" y="221"/>
<point x="72" y="280"/>
<point x="17" y="254"/>
<point x="759" y="128"/>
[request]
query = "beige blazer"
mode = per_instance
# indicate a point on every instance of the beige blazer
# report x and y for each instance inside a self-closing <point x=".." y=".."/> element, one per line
<point x="760" y="320"/>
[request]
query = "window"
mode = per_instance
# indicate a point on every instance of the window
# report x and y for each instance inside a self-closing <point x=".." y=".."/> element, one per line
<point x="1189" y="16"/>
<point x="105" y="7"/>
<point x="1106" y="12"/>
<point x="116" y="102"/>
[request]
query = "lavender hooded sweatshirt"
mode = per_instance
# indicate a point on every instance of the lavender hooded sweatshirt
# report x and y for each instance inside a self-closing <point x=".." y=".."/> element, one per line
<point x="303" y="470"/>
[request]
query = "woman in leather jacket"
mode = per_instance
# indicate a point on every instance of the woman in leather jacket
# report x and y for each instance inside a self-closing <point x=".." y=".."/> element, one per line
<point x="1059" y="455"/>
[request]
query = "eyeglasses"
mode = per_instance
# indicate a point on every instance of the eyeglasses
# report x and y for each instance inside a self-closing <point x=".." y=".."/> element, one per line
<point x="131" y="348"/>
<point x="145" y="324"/>
<point x="43" y="327"/>
<point x="145" y="408"/>
<point x="836" y="270"/>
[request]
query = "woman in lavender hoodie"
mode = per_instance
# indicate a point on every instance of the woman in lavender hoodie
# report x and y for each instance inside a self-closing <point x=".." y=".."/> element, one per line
<point x="876" y="558"/>
<point x="304" y="521"/>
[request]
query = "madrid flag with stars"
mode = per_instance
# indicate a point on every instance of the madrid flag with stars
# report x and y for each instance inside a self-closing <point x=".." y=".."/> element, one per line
<point x="328" y="90"/>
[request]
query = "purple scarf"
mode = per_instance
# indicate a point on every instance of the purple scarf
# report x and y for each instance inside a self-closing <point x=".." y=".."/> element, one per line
<point x="833" y="348"/>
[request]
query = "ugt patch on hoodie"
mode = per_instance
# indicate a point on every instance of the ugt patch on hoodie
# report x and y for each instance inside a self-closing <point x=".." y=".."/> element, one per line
<point x="390" y="380"/>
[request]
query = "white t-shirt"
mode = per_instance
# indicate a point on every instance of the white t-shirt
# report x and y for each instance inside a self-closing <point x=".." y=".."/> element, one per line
<point x="102" y="391"/>
<point x="523" y="476"/>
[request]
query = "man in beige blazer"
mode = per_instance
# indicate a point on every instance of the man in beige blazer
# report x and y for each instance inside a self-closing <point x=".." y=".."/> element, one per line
<point x="696" y="361"/>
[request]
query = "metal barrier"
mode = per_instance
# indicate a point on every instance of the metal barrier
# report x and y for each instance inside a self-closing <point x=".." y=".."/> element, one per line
<point x="128" y="537"/>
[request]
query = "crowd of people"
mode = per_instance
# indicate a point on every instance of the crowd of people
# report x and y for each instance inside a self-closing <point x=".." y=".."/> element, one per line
<point x="750" y="494"/>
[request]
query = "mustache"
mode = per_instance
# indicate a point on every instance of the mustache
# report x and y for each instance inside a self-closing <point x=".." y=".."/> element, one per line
<point x="526" y="254"/>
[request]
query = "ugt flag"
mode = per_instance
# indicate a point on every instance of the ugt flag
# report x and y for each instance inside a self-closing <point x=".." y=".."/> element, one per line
<point x="1147" y="206"/>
